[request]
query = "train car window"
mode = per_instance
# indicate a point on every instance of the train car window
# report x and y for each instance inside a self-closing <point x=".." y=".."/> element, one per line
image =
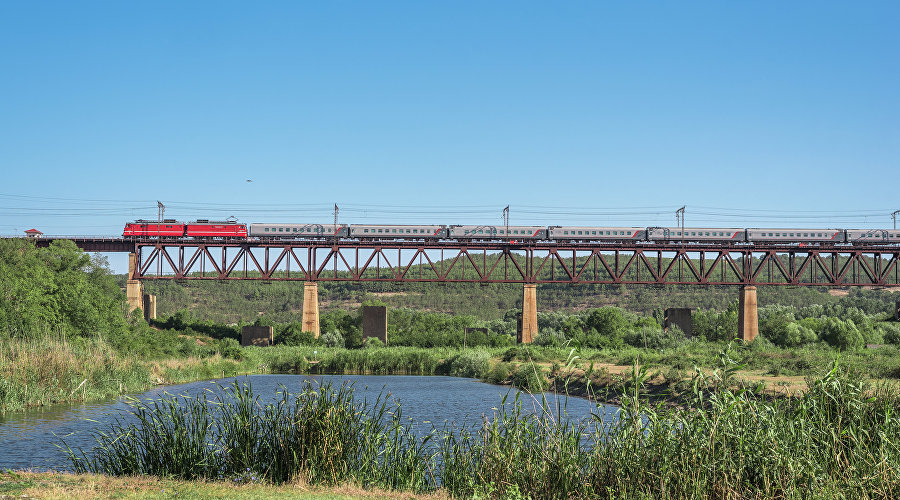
<point x="579" y="232"/>
<point x="365" y="230"/>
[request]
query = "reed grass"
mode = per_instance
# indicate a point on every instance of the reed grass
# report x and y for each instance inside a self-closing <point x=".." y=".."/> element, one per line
<point x="47" y="370"/>
<point x="321" y="435"/>
<point x="841" y="438"/>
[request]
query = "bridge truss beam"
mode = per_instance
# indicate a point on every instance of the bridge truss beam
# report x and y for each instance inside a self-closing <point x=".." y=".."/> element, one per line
<point x="499" y="263"/>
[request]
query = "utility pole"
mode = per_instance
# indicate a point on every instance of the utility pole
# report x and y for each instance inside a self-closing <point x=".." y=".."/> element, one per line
<point x="506" y="221"/>
<point x="679" y="218"/>
<point x="162" y="210"/>
<point x="336" y="210"/>
<point x="894" y="216"/>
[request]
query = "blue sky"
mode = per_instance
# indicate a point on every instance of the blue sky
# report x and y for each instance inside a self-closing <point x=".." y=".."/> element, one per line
<point x="750" y="114"/>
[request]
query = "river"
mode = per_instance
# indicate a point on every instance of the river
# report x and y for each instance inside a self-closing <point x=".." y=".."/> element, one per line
<point x="31" y="439"/>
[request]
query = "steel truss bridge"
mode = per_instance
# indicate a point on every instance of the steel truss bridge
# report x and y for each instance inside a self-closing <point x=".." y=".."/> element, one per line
<point x="497" y="262"/>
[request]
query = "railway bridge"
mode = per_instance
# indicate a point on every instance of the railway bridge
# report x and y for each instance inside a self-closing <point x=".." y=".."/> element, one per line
<point x="312" y="260"/>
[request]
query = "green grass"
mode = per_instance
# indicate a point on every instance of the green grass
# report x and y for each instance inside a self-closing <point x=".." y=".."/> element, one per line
<point x="46" y="371"/>
<point x="841" y="437"/>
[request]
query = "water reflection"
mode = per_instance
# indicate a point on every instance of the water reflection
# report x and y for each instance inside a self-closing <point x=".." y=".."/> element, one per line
<point x="30" y="440"/>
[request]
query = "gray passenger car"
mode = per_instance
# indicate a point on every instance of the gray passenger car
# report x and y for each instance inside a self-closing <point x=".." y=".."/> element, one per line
<point x="696" y="234"/>
<point x="597" y="233"/>
<point x="498" y="232"/>
<point x="397" y="231"/>
<point x="280" y="230"/>
<point x="796" y="235"/>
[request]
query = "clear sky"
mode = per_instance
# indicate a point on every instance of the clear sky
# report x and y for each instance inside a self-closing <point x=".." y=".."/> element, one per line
<point x="607" y="113"/>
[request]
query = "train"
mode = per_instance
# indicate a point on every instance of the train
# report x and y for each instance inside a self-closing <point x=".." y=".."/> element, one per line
<point x="231" y="229"/>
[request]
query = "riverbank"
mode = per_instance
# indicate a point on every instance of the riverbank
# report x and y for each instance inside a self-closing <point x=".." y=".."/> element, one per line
<point x="46" y="371"/>
<point x="729" y="444"/>
<point x="23" y="484"/>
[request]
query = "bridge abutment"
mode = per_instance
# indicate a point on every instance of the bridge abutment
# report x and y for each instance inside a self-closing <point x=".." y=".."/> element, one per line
<point x="311" y="307"/>
<point x="748" y="321"/>
<point x="529" y="328"/>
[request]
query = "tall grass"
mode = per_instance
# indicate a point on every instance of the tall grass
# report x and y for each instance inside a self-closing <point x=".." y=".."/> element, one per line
<point x="45" y="370"/>
<point x="321" y="435"/>
<point x="841" y="438"/>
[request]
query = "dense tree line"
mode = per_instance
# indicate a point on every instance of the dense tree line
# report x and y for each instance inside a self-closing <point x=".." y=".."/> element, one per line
<point x="237" y="301"/>
<point x="59" y="290"/>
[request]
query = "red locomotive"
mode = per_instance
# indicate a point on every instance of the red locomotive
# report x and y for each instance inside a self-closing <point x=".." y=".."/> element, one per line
<point x="170" y="228"/>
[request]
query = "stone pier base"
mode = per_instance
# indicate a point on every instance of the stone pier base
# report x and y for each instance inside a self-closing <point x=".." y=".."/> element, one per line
<point x="311" y="308"/>
<point x="134" y="292"/>
<point x="529" y="328"/>
<point x="748" y="322"/>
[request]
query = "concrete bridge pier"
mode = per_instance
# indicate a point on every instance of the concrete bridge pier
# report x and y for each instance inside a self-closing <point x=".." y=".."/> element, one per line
<point x="748" y="321"/>
<point x="134" y="289"/>
<point x="529" y="328"/>
<point x="311" y="307"/>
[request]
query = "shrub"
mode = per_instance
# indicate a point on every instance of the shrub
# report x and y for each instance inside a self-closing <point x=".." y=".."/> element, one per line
<point x="473" y="364"/>
<point x="842" y="334"/>
<point x="530" y="378"/>
<point x="294" y="335"/>
<point x="332" y="338"/>
<point x="653" y="337"/>
<point x="498" y="374"/>
<point x="373" y="342"/>
<point x="353" y="338"/>
<point x="230" y="348"/>
<point x="891" y="333"/>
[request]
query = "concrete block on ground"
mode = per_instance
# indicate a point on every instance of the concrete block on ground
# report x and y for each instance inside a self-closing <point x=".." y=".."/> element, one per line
<point x="149" y="307"/>
<point x="257" y="335"/>
<point x="680" y="317"/>
<point x="374" y="322"/>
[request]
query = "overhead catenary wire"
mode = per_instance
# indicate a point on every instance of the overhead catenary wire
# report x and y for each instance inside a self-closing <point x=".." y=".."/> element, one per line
<point x="42" y="210"/>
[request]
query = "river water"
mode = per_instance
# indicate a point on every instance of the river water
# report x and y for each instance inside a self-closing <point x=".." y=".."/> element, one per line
<point x="31" y="439"/>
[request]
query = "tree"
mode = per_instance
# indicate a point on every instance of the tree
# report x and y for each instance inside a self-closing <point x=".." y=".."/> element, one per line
<point x="842" y="334"/>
